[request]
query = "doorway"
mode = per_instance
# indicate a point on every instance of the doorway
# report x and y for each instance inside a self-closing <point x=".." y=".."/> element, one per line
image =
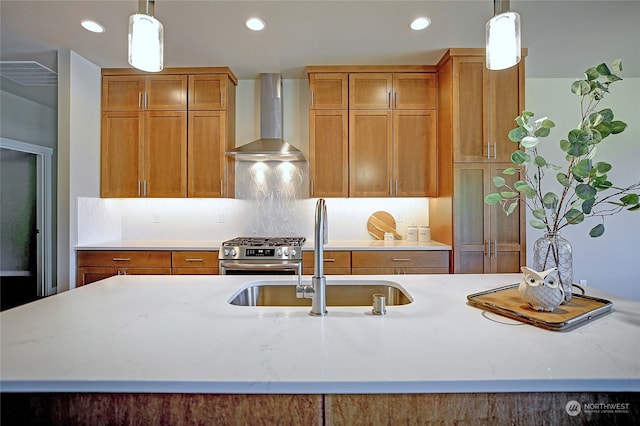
<point x="25" y="223"/>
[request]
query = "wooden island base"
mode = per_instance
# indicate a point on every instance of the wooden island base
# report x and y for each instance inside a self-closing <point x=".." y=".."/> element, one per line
<point x="301" y="409"/>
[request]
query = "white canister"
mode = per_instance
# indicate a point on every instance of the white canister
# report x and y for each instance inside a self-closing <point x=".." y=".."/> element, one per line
<point x="424" y="233"/>
<point x="412" y="233"/>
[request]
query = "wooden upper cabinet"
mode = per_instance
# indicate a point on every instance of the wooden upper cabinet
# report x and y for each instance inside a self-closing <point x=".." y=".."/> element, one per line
<point x="414" y="91"/>
<point x="137" y="93"/>
<point x="370" y="90"/>
<point x="121" y="154"/>
<point x="487" y="102"/>
<point x="328" y="91"/>
<point x="329" y="153"/>
<point x="370" y="153"/>
<point x="206" y="153"/>
<point x="165" y="154"/>
<point x="415" y="153"/>
<point x="208" y="92"/>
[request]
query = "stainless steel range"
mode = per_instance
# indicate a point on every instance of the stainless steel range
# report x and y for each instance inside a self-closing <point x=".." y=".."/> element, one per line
<point x="261" y="255"/>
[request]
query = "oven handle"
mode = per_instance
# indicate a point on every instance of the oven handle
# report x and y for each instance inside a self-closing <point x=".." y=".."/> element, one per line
<point x="260" y="266"/>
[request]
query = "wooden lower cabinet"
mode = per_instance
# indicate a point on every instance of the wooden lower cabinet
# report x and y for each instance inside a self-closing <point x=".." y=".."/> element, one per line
<point x="95" y="265"/>
<point x="194" y="262"/>
<point x="313" y="409"/>
<point x="399" y="262"/>
<point x="335" y="262"/>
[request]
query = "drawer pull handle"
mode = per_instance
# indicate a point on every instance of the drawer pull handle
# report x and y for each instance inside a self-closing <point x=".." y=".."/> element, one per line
<point x="329" y="260"/>
<point x="402" y="259"/>
<point x="194" y="259"/>
<point x="121" y="259"/>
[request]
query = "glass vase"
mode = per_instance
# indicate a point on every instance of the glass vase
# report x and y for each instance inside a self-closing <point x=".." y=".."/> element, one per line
<point x="551" y="250"/>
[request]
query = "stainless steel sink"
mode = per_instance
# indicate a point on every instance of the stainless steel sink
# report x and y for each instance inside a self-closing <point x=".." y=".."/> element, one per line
<point x="339" y="293"/>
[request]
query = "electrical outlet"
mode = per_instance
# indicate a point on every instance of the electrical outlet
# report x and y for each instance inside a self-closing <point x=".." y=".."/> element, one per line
<point x="156" y="218"/>
<point x="220" y="217"/>
<point x="583" y="283"/>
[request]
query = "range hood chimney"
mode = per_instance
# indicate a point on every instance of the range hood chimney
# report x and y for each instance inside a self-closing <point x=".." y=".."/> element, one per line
<point x="270" y="146"/>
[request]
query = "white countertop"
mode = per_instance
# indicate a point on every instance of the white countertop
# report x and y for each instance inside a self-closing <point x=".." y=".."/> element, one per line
<point x="179" y="334"/>
<point x="215" y="245"/>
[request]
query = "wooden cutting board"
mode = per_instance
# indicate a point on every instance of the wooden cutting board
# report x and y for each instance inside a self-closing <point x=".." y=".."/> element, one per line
<point x="381" y="222"/>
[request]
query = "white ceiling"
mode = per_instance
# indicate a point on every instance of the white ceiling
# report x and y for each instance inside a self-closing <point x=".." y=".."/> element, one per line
<point x="563" y="37"/>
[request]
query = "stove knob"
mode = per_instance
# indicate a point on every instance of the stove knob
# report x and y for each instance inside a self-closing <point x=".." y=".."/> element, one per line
<point x="293" y="252"/>
<point x="279" y="252"/>
<point x="232" y="252"/>
<point x="226" y="252"/>
<point x="286" y="252"/>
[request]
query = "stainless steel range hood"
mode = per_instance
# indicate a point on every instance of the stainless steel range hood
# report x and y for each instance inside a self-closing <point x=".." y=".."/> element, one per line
<point x="270" y="146"/>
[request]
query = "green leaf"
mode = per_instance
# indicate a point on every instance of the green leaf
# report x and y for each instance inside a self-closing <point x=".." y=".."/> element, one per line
<point x="538" y="224"/>
<point x="542" y="132"/>
<point x="520" y="158"/>
<point x="509" y="171"/>
<point x="602" y="167"/>
<point x="617" y="66"/>
<point x="595" y="119"/>
<point x="550" y="200"/>
<point x="512" y="207"/>
<point x="587" y="205"/>
<point x="603" y="69"/>
<point x="574" y="217"/>
<point x="607" y="115"/>
<point x="508" y="194"/>
<point x="547" y="124"/>
<point x="630" y="199"/>
<point x="492" y="199"/>
<point x="565" y="145"/>
<point x="539" y="213"/>
<point x="525" y="188"/>
<point x="596" y="231"/>
<point x="582" y="168"/>
<point x="634" y="208"/>
<point x="618" y="127"/>
<point x="580" y="87"/>
<point x="498" y="181"/>
<point x="529" y="141"/>
<point x="592" y="73"/>
<point x="585" y="191"/>
<point x="540" y="161"/>
<point x="517" y="134"/>
<point x="563" y="179"/>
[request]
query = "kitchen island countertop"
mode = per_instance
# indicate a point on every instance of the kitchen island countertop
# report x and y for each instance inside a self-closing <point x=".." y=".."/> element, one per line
<point x="215" y="245"/>
<point x="179" y="334"/>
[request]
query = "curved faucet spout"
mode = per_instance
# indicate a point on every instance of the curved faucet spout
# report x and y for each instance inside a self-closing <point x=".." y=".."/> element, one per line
<point x="318" y="289"/>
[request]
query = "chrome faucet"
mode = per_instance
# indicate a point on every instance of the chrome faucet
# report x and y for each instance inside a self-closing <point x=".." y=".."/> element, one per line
<point x="317" y="291"/>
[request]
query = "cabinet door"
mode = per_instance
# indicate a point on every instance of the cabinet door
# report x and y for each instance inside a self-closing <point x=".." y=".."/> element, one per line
<point x="470" y="103"/>
<point x="505" y="104"/>
<point x="165" y="159"/>
<point x="414" y="91"/>
<point x="328" y="153"/>
<point x="121" y="154"/>
<point x="471" y="219"/>
<point x="370" y="153"/>
<point x="166" y="93"/>
<point x="370" y="90"/>
<point x="328" y="90"/>
<point x="507" y="239"/>
<point x="88" y="275"/>
<point x="122" y="93"/>
<point x="207" y="92"/>
<point x="206" y="158"/>
<point x="415" y="162"/>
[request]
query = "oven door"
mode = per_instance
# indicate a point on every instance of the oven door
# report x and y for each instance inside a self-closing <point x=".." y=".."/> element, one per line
<point x="260" y="267"/>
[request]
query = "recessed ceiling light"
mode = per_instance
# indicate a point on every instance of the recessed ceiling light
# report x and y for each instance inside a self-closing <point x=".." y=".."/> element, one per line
<point x="256" y="24"/>
<point x="92" y="26"/>
<point x="420" y="23"/>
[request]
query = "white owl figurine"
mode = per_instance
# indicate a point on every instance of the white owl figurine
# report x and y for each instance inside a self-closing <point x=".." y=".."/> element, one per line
<point x="542" y="290"/>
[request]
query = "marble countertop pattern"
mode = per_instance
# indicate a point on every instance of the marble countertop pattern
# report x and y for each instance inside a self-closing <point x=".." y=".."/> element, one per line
<point x="179" y="334"/>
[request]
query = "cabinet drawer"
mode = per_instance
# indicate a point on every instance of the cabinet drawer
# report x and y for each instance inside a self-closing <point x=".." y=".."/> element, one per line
<point x="332" y="259"/>
<point x="195" y="271"/>
<point x="124" y="258"/>
<point x="194" y="259"/>
<point x="400" y="259"/>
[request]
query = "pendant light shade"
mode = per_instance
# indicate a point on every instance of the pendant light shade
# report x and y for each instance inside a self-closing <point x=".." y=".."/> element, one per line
<point x="503" y="38"/>
<point x="146" y="39"/>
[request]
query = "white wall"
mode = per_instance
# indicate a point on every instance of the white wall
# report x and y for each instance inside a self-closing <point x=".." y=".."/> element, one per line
<point x="612" y="261"/>
<point x="79" y="89"/>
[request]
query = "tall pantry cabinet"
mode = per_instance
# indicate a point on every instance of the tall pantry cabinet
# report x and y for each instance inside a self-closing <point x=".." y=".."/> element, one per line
<point x="476" y="110"/>
<point x="165" y="134"/>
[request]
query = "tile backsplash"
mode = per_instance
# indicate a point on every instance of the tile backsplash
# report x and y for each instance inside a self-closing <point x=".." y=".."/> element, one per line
<point x="271" y="200"/>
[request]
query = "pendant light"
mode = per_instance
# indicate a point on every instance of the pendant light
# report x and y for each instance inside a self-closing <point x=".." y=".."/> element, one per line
<point x="146" y="38"/>
<point x="503" y="37"/>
